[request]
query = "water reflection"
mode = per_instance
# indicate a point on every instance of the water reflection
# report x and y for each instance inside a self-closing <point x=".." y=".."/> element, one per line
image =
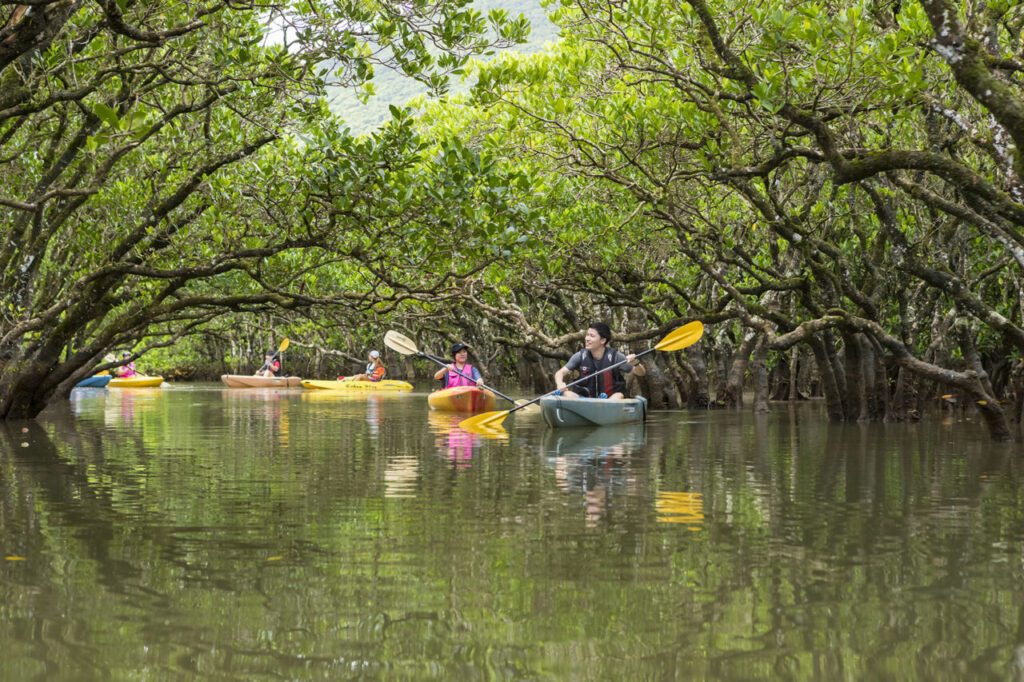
<point x="122" y="404"/>
<point x="401" y="477"/>
<point x="595" y="463"/>
<point x="197" y="542"/>
<point x="680" y="507"/>
<point x="456" y="445"/>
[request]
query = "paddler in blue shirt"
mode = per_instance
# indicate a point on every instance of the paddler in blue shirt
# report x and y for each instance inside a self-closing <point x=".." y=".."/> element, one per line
<point x="595" y="356"/>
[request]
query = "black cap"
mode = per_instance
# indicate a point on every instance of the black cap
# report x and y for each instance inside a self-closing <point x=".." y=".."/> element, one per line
<point x="456" y="347"/>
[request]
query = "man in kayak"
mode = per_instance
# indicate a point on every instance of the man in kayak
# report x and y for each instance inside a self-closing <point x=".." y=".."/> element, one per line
<point x="375" y="370"/>
<point x="128" y="370"/>
<point x="595" y="356"/>
<point x="450" y="374"/>
<point x="271" y="366"/>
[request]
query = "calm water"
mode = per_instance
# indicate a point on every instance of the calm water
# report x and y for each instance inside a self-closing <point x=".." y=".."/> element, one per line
<point x="266" y="535"/>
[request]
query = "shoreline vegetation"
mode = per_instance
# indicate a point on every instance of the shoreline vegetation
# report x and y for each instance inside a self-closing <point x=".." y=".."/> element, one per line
<point x="833" y="189"/>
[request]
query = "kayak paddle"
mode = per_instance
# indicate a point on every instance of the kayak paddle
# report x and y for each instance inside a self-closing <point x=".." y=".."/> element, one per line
<point x="677" y="339"/>
<point x="404" y="345"/>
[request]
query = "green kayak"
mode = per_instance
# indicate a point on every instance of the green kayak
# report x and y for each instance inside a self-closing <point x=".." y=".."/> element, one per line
<point x="559" y="411"/>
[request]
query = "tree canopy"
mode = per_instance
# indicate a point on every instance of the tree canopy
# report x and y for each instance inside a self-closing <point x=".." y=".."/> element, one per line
<point x="833" y="186"/>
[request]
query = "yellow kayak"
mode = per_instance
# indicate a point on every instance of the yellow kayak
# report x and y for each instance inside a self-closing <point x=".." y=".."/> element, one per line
<point x="462" y="399"/>
<point x="385" y="385"/>
<point x="138" y="381"/>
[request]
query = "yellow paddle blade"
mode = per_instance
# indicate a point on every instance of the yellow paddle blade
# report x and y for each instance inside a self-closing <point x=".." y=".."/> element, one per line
<point x="487" y="421"/>
<point x="283" y="346"/>
<point x="496" y="432"/>
<point x="681" y="337"/>
<point x="400" y="344"/>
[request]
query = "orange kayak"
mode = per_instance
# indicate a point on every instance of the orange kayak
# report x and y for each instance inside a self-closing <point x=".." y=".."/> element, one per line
<point x="462" y="399"/>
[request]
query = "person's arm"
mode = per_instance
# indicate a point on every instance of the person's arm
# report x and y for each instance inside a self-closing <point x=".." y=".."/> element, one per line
<point x="439" y="374"/>
<point x="573" y="364"/>
<point x="477" y="376"/>
<point x="634" y="365"/>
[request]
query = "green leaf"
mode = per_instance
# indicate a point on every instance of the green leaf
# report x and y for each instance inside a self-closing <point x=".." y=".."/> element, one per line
<point x="107" y="115"/>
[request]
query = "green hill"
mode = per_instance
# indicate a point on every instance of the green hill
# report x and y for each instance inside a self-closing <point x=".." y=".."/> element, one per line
<point x="397" y="89"/>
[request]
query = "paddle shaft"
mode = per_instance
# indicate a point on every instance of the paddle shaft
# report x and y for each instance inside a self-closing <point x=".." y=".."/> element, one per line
<point x="464" y="376"/>
<point x="582" y="379"/>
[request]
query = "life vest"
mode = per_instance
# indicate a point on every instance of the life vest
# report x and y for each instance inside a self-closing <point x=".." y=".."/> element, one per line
<point x="274" y="366"/>
<point x="607" y="383"/>
<point x="374" y="372"/>
<point x="457" y="380"/>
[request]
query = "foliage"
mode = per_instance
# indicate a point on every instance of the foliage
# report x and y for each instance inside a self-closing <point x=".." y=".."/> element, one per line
<point x="153" y="179"/>
<point x="827" y="173"/>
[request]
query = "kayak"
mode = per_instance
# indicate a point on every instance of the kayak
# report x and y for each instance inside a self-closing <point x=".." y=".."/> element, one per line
<point x="139" y="381"/>
<point x="246" y="381"/>
<point x="462" y="399"/>
<point x="95" y="381"/>
<point x="560" y="411"/>
<point x="385" y="385"/>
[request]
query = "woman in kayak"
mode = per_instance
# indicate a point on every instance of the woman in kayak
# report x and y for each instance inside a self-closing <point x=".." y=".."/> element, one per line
<point x="595" y="356"/>
<point x="375" y="370"/>
<point x="128" y="370"/>
<point x="271" y="366"/>
<point x="451" y="376"/>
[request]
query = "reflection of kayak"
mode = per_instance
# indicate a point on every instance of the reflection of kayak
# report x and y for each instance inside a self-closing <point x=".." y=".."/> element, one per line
<point x="561" y="411"/>
<point x="592" y="440"/>
<point x="244" y="381"/>
<point x="95" y="381"/>
<point x="462" y="399"/>
<point x="385" y="385"/>
<point x="139" y="381"/>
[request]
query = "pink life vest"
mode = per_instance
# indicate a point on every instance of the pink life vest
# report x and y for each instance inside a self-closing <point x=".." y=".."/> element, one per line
<point x="458" y="380"/>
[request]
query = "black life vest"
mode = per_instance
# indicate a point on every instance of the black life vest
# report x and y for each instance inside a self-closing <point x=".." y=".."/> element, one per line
<point x="607" y="383"/>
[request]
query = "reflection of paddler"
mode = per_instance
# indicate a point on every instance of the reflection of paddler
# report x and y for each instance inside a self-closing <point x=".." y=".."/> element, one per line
<point x="592" y="440"/>
<point x="592" y="462"/>
<point x="455" y="443"/>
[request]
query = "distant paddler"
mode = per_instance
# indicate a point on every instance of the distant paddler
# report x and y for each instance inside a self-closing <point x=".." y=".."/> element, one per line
<point x="127" y="370"/>
<point x="271" y="366"/>
<point x="375" y="370"/>
<point x="272" y="361"/>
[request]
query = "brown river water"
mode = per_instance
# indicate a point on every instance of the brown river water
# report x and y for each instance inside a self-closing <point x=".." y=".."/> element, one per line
<point x="195" y="532"/>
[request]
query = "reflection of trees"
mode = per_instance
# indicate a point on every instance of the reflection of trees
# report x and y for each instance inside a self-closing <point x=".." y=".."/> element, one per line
<point x="824" y="552"/>
<point x="176" y="560"/>
<point x="846" y="534"/>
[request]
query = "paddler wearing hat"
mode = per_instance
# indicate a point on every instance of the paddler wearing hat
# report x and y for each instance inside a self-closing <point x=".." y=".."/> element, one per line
<point x="451" y="375"/>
